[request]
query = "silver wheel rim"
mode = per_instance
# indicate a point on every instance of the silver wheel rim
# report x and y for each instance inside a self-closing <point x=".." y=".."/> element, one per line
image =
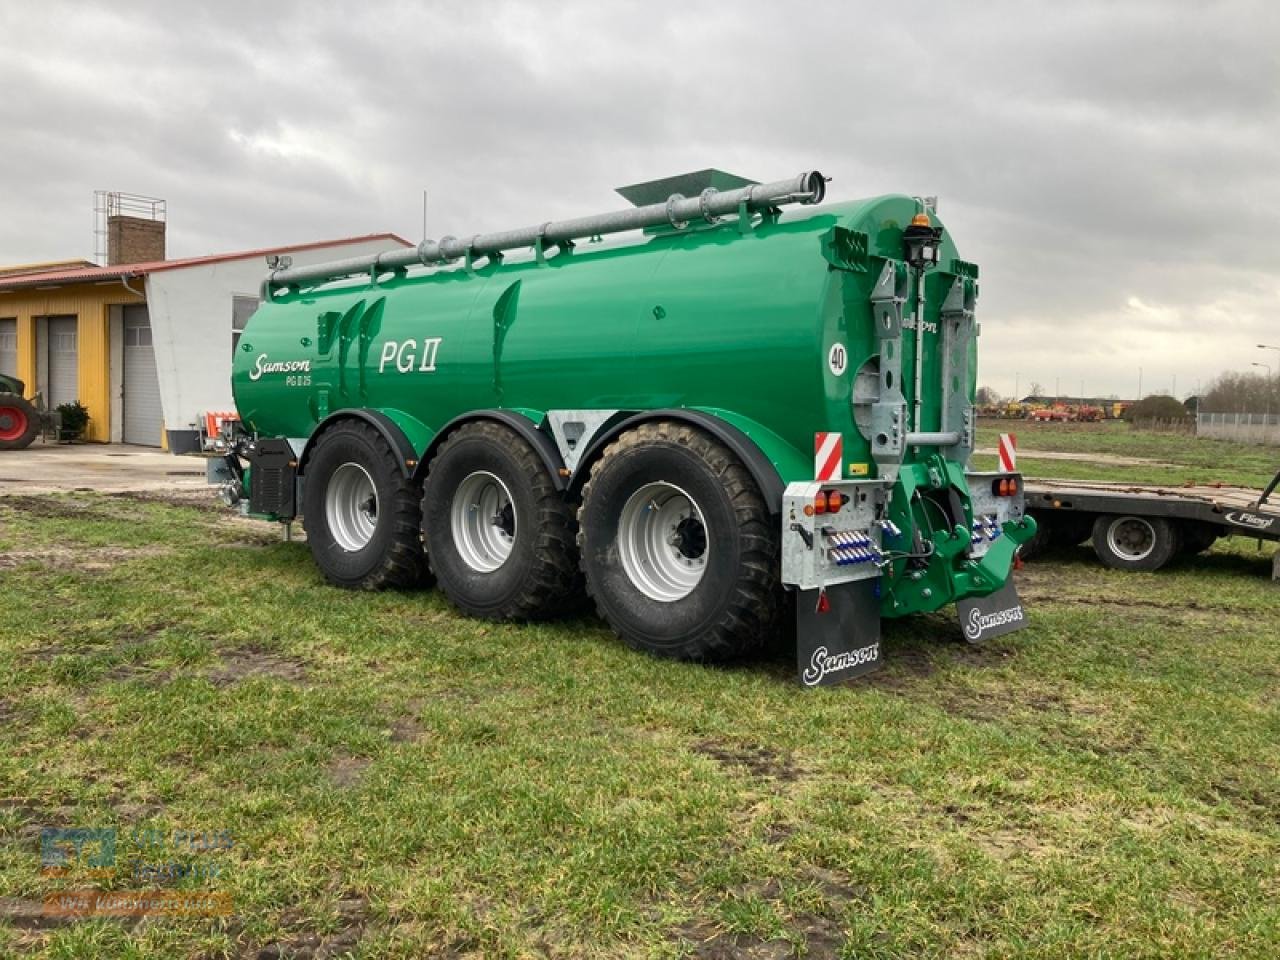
<point x="483" y="521"/>
<point x="351" y="507"/>
<point x="1132" y="538"/>
<point x="663" y="542"/>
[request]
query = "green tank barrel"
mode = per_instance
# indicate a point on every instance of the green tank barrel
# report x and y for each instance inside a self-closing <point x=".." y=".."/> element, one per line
<point x="833" y="348"/>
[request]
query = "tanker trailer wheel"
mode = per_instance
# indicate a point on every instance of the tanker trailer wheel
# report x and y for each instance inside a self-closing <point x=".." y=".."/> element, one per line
<point x="1134" y="543"/>
<point x="360" y="511"/>
<point x="498" y="533"/>
<point x="19" y="422"/>
<point x="679" y="549"/>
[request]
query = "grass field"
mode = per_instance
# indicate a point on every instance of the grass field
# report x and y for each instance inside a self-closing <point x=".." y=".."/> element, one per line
<point x="1175" y="458"/>
<point x="382" y="778"/>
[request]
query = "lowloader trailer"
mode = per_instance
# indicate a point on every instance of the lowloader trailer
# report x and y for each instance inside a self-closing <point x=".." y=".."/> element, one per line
<point x="751" y="404"/>
<point x="1144" y="527"/>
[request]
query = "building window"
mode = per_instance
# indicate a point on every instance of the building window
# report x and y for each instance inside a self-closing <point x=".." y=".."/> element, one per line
<point x="241" y="310"/>
<point x="9" y="346"/>
<point x="137" y="335"/>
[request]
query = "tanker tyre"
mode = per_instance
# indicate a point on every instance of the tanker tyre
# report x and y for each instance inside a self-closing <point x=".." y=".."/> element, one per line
<point x="361" y="512"/>
<point x="498" y="532"/>
<point x="19" y="422"/>
<point x="1135" y="543"/>
<point x="680" y="552"/>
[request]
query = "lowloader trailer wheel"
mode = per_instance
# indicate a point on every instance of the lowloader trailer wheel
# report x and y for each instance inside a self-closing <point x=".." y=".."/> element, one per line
<point x="1197" y="537"/>
<point x="499" y="535"/>
<point x="1057" y="533"/>
<point x="19" y="422"/>
<point x="361" y="513"/>
<point x="678" y="546"/>
<point x="1135" y="542"/>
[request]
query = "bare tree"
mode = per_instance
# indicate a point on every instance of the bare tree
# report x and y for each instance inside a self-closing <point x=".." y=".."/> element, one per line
<point x="1242" y="393"/>
<point x="986" y="397"/>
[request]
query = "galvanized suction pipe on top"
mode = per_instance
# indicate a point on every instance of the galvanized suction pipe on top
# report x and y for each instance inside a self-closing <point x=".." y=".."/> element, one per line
<point x="677" y="211"/>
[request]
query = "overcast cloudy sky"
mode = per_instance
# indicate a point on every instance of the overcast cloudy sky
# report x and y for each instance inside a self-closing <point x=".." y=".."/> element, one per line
<point x="1113" y="167"/>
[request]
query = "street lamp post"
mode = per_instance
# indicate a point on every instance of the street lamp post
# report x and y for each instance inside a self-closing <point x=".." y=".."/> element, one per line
<point x="1266" y="367"/>
<point x="1267" y="346"/>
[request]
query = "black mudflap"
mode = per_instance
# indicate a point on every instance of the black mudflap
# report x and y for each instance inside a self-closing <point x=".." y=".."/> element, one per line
<point x="839" y="638"/>
<point x="271" y="481"/>
<point x="982" y="618"/>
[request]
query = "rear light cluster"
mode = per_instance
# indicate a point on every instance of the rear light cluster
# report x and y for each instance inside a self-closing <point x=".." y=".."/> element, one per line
<point x="1005" y="487"/>
<point x="826" y="501"/>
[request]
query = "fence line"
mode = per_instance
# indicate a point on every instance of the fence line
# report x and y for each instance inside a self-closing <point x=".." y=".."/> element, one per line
<point x="1233" y="419"/>
<point x="1261" y="428"/>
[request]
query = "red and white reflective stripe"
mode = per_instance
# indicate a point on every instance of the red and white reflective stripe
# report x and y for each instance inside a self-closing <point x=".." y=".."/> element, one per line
<point x="1008" y="453"/>
<point x="828" y="448"/>
<point x="213" y="422"/>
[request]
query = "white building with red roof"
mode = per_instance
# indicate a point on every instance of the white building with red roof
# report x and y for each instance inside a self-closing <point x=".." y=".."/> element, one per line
<point x="145" y="347"/>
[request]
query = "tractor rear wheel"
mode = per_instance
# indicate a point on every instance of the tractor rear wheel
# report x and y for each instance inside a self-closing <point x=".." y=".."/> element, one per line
<point x="1133" y="542"/>
<point x="499" y="535"/>
<point x="678" y="546"/>
<point x="361" y="512"/>
<point x="19" y="422"/>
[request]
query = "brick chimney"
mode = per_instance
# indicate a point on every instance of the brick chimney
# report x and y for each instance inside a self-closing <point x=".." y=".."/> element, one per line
<point x="134" y="239"/>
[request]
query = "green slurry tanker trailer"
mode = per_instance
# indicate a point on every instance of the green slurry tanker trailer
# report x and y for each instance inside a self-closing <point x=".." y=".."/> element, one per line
<point x="749" y="406"/>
